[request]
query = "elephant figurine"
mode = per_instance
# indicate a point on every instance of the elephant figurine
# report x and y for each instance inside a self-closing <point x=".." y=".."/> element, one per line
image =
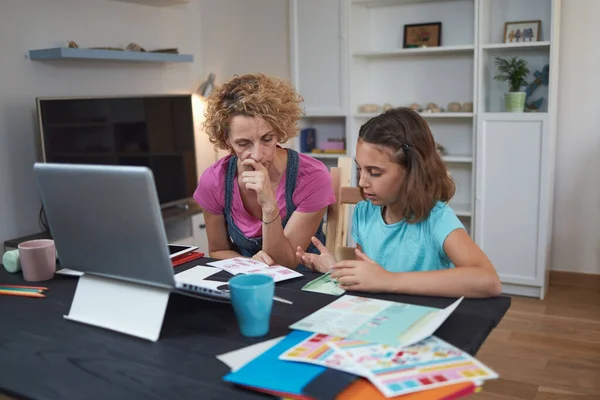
<point x="528" y="35"/>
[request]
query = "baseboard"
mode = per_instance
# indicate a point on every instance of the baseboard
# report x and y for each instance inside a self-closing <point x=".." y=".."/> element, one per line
<point x="575" y="279"/>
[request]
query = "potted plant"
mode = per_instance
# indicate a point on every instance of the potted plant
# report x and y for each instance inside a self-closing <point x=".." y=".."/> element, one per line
<point x="514" y="71"/>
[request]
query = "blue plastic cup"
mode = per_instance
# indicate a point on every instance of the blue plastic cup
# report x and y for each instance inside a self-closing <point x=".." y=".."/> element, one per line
<point x="252" y="299"/>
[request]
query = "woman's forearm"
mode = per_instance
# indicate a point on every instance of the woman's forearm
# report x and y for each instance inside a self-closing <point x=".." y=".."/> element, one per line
<point x="455" y="282"/>
<point x="223" y="254"/>
<point x="275" y="243"/>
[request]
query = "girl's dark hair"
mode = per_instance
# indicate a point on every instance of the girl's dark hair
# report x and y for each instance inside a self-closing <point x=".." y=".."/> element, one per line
<point x="408" y="138"/>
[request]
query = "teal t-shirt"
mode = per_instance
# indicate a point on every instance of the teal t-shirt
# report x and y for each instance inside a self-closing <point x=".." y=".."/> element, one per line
<point x="403" y="246"/>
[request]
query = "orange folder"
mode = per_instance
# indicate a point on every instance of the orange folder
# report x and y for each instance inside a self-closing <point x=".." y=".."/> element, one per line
<point x="363" y="389"/>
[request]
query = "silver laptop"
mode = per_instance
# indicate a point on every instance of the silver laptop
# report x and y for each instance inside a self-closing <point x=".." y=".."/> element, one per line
<point x="106" y="221"/>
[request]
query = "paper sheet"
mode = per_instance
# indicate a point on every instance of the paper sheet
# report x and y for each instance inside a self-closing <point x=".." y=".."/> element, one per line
<point x="68" y="272"/>
<point x="241" y="265"/>
<point x="238" y="358"/>
<point x="196" y="275"/>
<point x="376" y="321"/>
<point x="324" y="284"/>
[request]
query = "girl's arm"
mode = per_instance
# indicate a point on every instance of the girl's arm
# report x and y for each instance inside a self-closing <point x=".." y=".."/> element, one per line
<point x="473" y="275"/>
<point x="218" y="240"/>
<point x="281" y="244"/>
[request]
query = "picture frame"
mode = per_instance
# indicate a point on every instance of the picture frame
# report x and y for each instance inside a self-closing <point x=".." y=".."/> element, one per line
<point x="422" y="35"/>
<point x="522" y="31"/>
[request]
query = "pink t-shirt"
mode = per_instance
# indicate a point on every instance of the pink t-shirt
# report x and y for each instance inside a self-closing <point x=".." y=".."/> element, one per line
<point x="313" y="192"/>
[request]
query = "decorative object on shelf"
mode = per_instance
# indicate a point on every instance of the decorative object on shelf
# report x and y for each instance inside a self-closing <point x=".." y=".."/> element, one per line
<point x="308" y="140"/>
<point x="337" y="145"/>
<point x="72" y="45"/>
<point x="541" y="78"/>
<point x="415" y="107"/>
<point x="454" y="107"/>
<point x="522" y="31"/>
<point x="387" y="106"/>
<point x="207" y="86"/>
<point x="422" y="35"/>
<point x="323" y="151"/>
<point x="513" y="70"/>
<point x="432" y="108"/>
<point x="134" y="47"/>
<point x="368" y="108"/>
<point x="467" y="107"/>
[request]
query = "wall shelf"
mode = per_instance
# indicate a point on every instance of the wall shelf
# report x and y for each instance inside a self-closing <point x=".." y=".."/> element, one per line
<point x="458" y="159"/>
<point x="415" y="51"/>
<point x="526" y="45"/>
<point x="66" y="53"/>
<point x="424" y="115"/>
<point x="156" y="3"/>
<point x="461" y="209"/>
<point x="326" y="155"/>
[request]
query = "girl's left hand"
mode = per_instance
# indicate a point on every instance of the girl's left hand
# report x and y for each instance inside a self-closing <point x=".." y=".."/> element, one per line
<point x="362" y="274"/>
<point x="258" y="180"/>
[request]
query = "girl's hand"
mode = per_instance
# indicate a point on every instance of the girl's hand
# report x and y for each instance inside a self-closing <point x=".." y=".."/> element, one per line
<point x="258" y="181"/>
<point x="362" y="274"/>
<point x="263" y="257"/>
<point x="317" y="262"/>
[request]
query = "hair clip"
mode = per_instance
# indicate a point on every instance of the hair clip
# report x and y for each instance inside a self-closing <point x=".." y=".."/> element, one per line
<point x="405" y="147"/>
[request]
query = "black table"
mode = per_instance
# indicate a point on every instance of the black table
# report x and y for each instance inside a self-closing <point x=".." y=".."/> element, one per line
<point x="44" y="356"/>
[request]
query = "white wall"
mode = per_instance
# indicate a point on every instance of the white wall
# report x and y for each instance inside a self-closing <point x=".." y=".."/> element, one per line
<point x="576" y="234"/>
<point x="241" y="36"/>
<point x="30" y="24"/>
<point x="244" y="36"/>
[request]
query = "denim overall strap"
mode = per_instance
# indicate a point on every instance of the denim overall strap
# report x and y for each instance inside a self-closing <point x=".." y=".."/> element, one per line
<point x="290" y="186"/>
<point x="291" y="174"/>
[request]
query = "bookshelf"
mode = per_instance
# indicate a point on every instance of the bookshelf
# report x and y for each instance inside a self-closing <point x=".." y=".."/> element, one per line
<point x="156" y="3"/>
<point x="348" y="53"/>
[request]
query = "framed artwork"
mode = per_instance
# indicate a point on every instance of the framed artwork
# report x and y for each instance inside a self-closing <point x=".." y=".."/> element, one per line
<point x="522" y="31"/>
<point x="422" y="35"/>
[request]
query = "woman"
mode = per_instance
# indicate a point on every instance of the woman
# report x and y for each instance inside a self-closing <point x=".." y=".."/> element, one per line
<point x="261" y="201"/>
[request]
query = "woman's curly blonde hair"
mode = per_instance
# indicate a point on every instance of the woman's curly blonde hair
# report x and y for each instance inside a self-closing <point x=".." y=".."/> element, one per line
<point x="253" y="95"/>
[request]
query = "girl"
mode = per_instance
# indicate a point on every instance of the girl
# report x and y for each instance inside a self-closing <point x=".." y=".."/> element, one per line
<point x="409" y="239"/>
<point x="260" y="201"/>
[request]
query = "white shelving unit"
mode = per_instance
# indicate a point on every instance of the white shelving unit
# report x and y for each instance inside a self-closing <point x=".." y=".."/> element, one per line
<point x="346" y="53"/>
<point x="156" y="3"/>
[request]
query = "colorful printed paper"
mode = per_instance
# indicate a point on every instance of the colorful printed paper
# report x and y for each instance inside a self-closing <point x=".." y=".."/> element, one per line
<point x="324" y="284"/>
<point x="376" y="321"/>
<point x="316" y="350"/>
<point x="241" y="265"/>
<point x="426" y="365"/>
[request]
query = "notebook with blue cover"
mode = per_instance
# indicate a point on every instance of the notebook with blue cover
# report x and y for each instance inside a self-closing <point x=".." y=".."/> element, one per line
<point x="268" y="373"/>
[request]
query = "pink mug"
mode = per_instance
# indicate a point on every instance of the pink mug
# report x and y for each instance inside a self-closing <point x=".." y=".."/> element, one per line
<point x="38" y="259"/>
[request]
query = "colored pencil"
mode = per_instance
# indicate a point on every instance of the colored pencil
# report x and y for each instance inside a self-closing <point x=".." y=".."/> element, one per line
<point x="23" y="287"/>
<point x="18" y="293"/>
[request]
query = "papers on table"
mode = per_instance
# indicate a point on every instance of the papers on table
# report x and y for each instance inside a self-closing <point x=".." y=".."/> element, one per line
<point x="426" y="365"/>
<point x="324" y="284"/>
<point x="238" y="358"/>
<point x="389" y="344"/>
<point x="377" y="321"/>
<point x="240" y="265"/>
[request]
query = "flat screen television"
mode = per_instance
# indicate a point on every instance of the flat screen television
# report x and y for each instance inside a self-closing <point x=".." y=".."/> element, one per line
<point x="151" y="131"/>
